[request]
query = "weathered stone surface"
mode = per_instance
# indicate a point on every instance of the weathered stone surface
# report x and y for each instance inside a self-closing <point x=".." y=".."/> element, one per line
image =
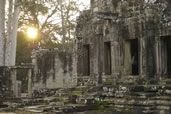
<point x="115" y="26"/>
<point x="53" y="69"/>
<point x="5" y="90"/>
<point x="123" y="46"/>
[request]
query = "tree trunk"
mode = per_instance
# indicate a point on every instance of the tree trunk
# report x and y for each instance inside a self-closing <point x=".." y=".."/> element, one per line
<point x="2" y="32"/>
<point x="14" y="37"/>
<point x="63" y="23"/>
<point x="9" y="33"/>
<point x="12" y="33"/>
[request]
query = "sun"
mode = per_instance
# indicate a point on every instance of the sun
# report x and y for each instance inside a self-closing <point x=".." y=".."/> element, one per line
<point x="32" y="32"/>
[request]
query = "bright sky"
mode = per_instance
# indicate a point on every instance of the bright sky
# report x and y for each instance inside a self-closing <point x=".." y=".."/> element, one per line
<point x="86" y="2"/>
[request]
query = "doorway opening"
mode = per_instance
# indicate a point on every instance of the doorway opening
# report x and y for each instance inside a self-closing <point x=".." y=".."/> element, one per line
<point x="86" y="60"/>
<point x="134" y="56"/>
<point x="167" y="54"/>
<point x="107" y="58"/>
<point x="131" y="57"/>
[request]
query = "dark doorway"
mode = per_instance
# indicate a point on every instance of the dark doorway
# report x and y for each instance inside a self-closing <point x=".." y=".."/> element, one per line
<point x="168" y="47"/>
<point x="134" y="56"/>
<point x="86" y="60"/>
<point x="165" y="56"/>
<point x="107" y="58"/>
<point x="22" y="77"/>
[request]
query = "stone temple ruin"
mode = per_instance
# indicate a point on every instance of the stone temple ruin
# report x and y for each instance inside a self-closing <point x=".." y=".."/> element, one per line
<point x="124" y="39"/>
<point x="53" y="69"/>
<point x="121" y="59"/>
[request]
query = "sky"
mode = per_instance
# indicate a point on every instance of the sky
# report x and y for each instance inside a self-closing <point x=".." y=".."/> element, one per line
<point x="86" y="2"/>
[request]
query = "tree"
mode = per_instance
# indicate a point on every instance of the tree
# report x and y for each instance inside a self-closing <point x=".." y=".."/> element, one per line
<point x="10" y="49"/>
<point x="57" y="23"/>
<point x="8" y="39"/>
<point x="24" y="48"/>
<point x="67" y="11"/>
<point x="58" y="20"/>
<point x="2" y="32"/>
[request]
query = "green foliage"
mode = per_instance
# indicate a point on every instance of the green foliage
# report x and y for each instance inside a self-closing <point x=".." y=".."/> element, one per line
<point x="109" y="81"/>
<point x="31" y="5"/>
<point x="102" y="106"/>
<point x="55" y="20"/>
<point x="77" y="93"/>
<point x="24" y="48"/>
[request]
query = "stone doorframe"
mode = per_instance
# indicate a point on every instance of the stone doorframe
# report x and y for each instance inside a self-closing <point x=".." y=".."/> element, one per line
<point x="13" y="77"/>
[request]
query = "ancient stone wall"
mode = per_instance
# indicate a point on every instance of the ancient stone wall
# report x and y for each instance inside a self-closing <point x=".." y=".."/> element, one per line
<point x="126" y="43"/>
<point x="5" y="83"/>
<point x="53" y="69"/>
<point x="123" y="40"/>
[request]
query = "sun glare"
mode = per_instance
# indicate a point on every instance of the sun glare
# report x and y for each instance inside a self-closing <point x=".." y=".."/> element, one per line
<point x="32" y="32"/>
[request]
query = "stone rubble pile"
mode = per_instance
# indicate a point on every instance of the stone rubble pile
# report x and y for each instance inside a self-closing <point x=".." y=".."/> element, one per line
<point x="139" y="99"/>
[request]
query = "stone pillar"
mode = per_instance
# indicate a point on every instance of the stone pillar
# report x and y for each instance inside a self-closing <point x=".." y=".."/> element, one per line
<point x="18" y="88"/>
<point x="95" y="53"/>
<point x="161" y="58"/>
<point x="34" y="62"/>
<point x="91" y="59"/>
<point x="142" y="58"/>
<point x="13" y="74"/>
<point x="100" y="59"/>
<point x="127" y="58"/>
<point x="115" y="58"/>
<point x="95" y="56"/>
<point x="151" y="25"/>
<point x="157" y="56"/>
<point x="74" y="71"/>
<point x="30" y="83"/>
<point x="150" y="51"/>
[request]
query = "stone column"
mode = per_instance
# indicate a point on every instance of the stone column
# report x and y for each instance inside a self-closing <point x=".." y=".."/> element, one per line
<point x="127" y="58"/>
<point x="115" y="58"/>
<point x="142" y="58"/>
<point x="30" y="83"/>
<point x="100" y="59"/>
<point x="150" y="51"/>
<point x="13" y="74"/>
<point x="150" y="30"/>
<point x="95" y="56"/>
<point x="161" y="58"/>
<point x="34" y="62"/>
<point x="18" y="88"/>
<point x="157" y="56"/>
<point x="74" y="65"/>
